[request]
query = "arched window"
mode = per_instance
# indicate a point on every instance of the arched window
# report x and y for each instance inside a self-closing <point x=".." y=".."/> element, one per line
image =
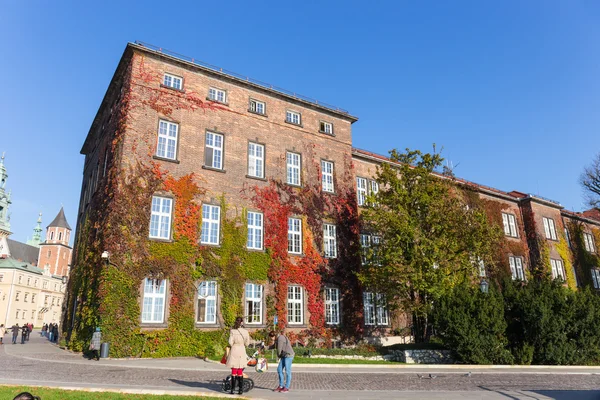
<point x="52" y="235"/>
<point x="59" y="235"/>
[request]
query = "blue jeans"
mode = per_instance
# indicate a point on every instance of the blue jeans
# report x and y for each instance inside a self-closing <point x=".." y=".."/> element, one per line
<point x="285" y="363"/>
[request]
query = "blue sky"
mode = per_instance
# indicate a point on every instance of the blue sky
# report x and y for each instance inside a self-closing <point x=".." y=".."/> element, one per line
<point x="510" y="89"/>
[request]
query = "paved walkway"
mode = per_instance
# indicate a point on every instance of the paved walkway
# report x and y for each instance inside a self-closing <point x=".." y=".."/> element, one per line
<point x="52" y="366"/>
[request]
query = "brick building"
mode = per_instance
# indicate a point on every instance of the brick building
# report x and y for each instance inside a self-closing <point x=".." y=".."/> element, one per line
<point x="233" y="134"/>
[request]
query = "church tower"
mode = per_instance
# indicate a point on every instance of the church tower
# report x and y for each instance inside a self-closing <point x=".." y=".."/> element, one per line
<point x="37" y="233"/>
<point x="4" y="202"/>
<point x="55" y="252"/>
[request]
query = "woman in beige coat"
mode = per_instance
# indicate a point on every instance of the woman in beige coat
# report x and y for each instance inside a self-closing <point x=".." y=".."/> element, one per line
<point x="237" y="360"/>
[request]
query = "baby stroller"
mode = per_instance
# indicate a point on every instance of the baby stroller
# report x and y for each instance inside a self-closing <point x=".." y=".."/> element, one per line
<point x="260" y="365"/>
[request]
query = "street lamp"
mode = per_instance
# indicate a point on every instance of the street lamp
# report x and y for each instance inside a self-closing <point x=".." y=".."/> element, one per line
<point x="105" y="255"/>
<point x="484" y="286"/>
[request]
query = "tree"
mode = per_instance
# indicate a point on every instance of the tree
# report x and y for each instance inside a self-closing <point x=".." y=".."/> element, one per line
<point x="429" y="239"/>
<point x="590" y="180"/>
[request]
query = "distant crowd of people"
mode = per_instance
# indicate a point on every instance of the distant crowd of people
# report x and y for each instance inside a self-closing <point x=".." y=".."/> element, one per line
<point x="49" y="331"/>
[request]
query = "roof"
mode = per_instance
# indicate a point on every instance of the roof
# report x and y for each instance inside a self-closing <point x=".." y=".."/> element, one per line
<point x="23" y="252"/>
<point x="60" y="221"/>
<point x="11" y="263"/>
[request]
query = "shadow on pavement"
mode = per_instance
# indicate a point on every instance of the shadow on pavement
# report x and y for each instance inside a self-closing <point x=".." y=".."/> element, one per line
<point x="212" y="385"/>
<point x="570" y="394"/>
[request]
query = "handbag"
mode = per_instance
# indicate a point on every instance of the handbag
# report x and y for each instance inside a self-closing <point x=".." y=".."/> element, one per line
<point x="225" y="356"/>
<point x="284" y="353"/>
<point x="262" y="365"/>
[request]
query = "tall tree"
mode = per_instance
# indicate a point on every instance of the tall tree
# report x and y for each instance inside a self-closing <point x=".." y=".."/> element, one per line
<point x="590" y="180"/>
<point x="429" y="239"/>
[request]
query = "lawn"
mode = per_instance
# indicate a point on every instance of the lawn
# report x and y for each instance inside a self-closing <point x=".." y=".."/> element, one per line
<point x="9" y="392"/>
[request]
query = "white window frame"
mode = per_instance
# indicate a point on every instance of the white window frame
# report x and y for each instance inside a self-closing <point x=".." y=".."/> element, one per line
<point x="256" y="160"/>
<point x="595" y="277"/>
<point x="361" y="191"/>
<point x="294" y="235"/>
<point x="255" y="230"/>
<point x="329" y="241"/>
<point x="160" y="218"/>
<point x="376" y="313"/>
<point x="558" y="269"/>
<point x="549" y="228"/>
<point x="218" y="95"/>
<point x="173" y="81"/>
<point x="326" y="127"/>
<point x="510" y="225"/>
<point x="207" y="292"/>
<point x="253" y="303"/>
<point x="332" y="306"/>
<point x="295" y="305"/>
<point x="255" y="105"/>
<point x="516" y="268"/>
<point x="293" y="168"/>
<point x="168" y="135"/>
<point x="293" y="117"/>
<point x="327" y="176"/>
<point x="211" y="224"/>
<point x="154" y="301"/>
<point x="213" y="147"/>
<point x="588" y="242"/>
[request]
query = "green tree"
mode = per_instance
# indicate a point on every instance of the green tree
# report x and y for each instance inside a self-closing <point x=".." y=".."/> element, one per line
<point x="429" y="239"/>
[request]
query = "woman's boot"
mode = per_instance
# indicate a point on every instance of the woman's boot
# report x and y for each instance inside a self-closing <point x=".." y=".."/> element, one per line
<point x="241" y="382"/>
<point x="233" y="380"/>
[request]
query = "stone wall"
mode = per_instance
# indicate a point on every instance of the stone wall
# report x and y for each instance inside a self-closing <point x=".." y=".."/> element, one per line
<point x="405" y="356"/>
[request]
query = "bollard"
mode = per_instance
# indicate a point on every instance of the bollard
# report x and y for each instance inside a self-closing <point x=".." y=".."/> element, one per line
<point x="104" y="348"/>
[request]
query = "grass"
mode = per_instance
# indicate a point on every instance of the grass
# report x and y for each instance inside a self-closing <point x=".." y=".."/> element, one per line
<point x="9" y="392"/>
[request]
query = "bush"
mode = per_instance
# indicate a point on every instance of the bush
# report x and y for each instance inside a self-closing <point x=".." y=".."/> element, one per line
<point x="471" y="324"/>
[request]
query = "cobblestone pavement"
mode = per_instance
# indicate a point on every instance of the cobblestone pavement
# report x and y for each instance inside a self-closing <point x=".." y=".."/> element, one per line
<point x="52" y="366"/>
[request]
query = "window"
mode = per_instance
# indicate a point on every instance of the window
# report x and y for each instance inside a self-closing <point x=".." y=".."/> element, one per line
<point x="293" y="117"/>
<point x="549" y="228"/>
<point x="59" y="235"/>
<point x="20" y="279"/>
<point x="588" y="242"/>
<point x="46" y="300"/>
<point x="329" y="241"/>
<point x="56" y="287"/>
<point x="154" y="300"/>
<point x="45" y="285"/>
<point x="558" y="269"/>
<point x="365" y="243"/>
<point x="375" y="309"/>
<point x="172" y="81"/>
<point x="53" y="300"/>
<point x="257" y="107"/>
<point x="25" y="297"/>
<point x="256" y="160"/>
<point x="293" y="168"/>
<point x="17" y="316"/>
<point x="568" y="237"/>
<point x="254" y="295"/>
<point x="28" y="281"/>
<point x="374" y="187"/>
<point x="2" y="278"/>
<point x="35" y="283"/>
<point x="207" y="303"/>
<point x="332" y="306"/>
<point x="294" y="236"/>
<point x="516" y="268"/>
<point x="33" y="297"/>
<point x="51" y="238"/>
<point x="167" y="140"/>
<point x="33" y="314"/>
<point x="361" y="191"/>
<point x="510" y="224"/>
<point x="213" y="151"/>
<point x="255" y="231"/>
<point x="160" y="219"/>
<point x="596" y="277"/>
<point x="17" y="296"/>
<point x="481" y="267"/>
<point x="217" y="95"/>
<point x="326" y="127"/>
<point x="211" y="218"/>
<point x="294" y="305"/>
<point x="327" y="176"/>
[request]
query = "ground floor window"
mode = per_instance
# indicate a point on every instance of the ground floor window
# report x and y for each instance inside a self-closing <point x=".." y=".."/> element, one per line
<point x="153" y="310"/>
<point x="332" y="306"/>
<point x="295" y="313"/>
<point x="207" y="303"/>
<point x="254" y="298"/>
<point x="376" y="312"/>
<point x="516" y="268"/>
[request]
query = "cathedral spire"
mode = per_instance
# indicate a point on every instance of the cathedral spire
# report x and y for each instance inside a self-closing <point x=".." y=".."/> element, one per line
<point x="4" y="201"/>
<point x="37" y="233"/>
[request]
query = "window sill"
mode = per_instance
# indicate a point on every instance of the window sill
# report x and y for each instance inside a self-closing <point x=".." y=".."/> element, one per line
<point x="291" y="123"/>
<point x="210" y="244"/>
<point x="148" y="326"/>
<point x="213" y="169"/>
<point x="256" y="250"/>
<point x="160" y="240"/>
<point x="294" y="185"/>
<point x="256" y="177"/>
<point x="200" y="325"/>
<point x="257" y="113"/>
<point x="327" y="133"/>
<point x="165" y="159"/>
<point x="172" y="88"/>
<point x="217" y="101"/>
<point x="254" y="326"/>
<point x="299" y="326"/>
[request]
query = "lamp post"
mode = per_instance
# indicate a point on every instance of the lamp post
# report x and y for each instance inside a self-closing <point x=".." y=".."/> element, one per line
<point x="484" y="286"/>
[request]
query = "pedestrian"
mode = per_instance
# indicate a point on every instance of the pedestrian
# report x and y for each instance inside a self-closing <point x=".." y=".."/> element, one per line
<point x="44" y="330"/>
<point x="50" y="327"/>
<point x="55" y="333"/>
<point x="239" y="338"/>
<point x="26" y="396"/>
<point x="286" y="354"/>
<point x="95" y="344"/>
<point x="24" y="331"/>
<point x="15" y="332"/>
<point x="29" y="329"/>
<point x="2" y="333"/>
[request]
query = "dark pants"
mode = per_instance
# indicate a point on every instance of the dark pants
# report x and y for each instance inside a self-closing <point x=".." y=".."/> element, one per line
<point x="23" y="338"/>
<point x="96" y="355"/>
<point x="14" y="339"/>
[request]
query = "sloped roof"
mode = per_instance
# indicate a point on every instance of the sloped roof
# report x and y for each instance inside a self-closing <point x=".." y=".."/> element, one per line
<point x="60" y="221"/>
<point x="10" y="263"/>
<point x="22" y="251"/>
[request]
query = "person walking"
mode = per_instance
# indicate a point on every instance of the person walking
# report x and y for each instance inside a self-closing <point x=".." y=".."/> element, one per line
<point x="24" y="332"/>
<point x="239" y="338"/>
<point x="286" y="354"/>
<point x="2" y="333"/>
<point x="55" y="333"/>
<point x="95" y="344"/>
<point x="15" y="332"/>
<point x="50" y="327"/>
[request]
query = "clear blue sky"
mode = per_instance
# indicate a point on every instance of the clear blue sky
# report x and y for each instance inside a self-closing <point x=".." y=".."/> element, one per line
<point x="510" y="89"/>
